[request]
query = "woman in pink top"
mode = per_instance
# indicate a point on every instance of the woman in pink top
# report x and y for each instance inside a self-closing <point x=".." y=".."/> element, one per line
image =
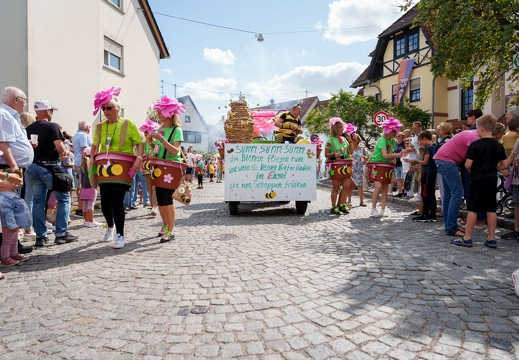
<point x="447" y="159"/>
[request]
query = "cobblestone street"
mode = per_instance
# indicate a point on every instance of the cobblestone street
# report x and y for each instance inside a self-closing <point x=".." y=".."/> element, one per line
<point x="265" y="284"/>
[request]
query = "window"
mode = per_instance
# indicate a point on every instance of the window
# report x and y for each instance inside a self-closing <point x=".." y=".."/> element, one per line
<point x="412" y="43"/>
<point x="400" y="47"/>
<point x="117" y="3"/>
<point x="113" y="55"/>
<point x="414" y="90"/>
<point x="467" y="98"/>
<point x="406" y="44"/>
<point x="377" y="97"/>
<point x="187" y="119"/>
<point x="394" y="93"/>
<point x="192" y="137"/>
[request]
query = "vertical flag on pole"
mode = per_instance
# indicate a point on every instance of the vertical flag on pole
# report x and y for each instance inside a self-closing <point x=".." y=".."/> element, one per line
<point x="403" y="77"/>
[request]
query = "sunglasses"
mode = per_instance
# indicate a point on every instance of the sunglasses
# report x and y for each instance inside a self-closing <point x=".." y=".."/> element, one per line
<point x="104" y="108"/>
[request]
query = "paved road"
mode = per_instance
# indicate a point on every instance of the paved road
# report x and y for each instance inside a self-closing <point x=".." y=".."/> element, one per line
<point x="276" y="285"/>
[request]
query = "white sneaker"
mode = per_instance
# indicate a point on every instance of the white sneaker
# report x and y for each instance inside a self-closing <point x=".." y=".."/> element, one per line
<point x="109" y="236"/>
<point x="154" y="211"/>
<point x="95" y="224"/>
<point x="29" y="236"/>
<point x="119" y="242"/>
<point x="384" y="213"/>
<point x="374" y="213"/>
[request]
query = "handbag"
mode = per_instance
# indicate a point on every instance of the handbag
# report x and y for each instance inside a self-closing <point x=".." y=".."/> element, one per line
<point x="61" y="180"/>
<point x="508" y="183"/>
<point x="183" y="194"/>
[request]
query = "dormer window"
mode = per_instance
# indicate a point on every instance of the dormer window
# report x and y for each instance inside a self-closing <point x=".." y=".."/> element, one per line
<point x="406" y="43"/>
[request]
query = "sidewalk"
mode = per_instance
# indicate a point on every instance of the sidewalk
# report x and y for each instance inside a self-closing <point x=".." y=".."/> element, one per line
<point x="266" y="284"/>
<point x="502" y="221"/>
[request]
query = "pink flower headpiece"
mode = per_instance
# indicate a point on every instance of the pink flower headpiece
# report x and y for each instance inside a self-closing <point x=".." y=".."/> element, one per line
<point x="334" y="121"/>
<point x="392" y="124"/>
<point x="169" y="106"/>
<point x="104" y="97"/>
<point x="350" y="129"/>
<point x="149" y="126"/>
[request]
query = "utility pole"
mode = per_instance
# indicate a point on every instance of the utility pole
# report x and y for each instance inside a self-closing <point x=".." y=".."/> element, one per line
<point x="161" y="88"/>
<point x="175" y="90"/>
<point x="306" y="92"/>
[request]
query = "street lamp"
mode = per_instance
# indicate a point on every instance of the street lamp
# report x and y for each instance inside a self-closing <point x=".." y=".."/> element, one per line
<point x="260" y="37"/>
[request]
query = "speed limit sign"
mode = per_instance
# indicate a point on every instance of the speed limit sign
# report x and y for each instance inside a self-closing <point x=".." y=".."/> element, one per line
<point x="380" y="118"/>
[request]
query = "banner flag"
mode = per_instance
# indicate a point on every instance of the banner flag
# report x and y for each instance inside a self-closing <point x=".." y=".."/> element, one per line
<point x="403" y="77"/>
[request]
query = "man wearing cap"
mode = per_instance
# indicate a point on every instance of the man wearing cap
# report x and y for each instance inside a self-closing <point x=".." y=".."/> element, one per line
<point x="14" y="144"/>
<point x="46" y="154"/>
<point x="80" y="142"/>
<point x="289" y="125"/>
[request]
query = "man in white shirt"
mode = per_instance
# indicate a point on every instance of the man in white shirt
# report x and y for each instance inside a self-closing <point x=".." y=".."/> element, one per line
<point x="190" y="171"/>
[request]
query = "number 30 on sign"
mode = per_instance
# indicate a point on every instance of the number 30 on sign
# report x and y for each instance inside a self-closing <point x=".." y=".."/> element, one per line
<point x="380" y="118"/>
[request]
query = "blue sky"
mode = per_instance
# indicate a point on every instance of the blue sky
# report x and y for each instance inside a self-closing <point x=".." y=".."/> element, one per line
<point x="213" y="65"/>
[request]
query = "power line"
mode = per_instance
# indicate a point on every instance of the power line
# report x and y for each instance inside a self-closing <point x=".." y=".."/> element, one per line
<point x="204" y="23"/>
<point x="256" y="32"/>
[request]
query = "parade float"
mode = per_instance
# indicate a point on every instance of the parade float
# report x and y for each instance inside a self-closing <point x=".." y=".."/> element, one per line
<point x="257" y="170"/>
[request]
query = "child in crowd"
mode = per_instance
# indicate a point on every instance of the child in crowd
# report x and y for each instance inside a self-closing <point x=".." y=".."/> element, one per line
<point x="88" y="193"/>
<point x="384" y="153"/>
<point x="427" y="177"/>
<point x="484" y="157"/>
<point x="200" y="167"/>
<point x="513" y="125"/>
<point x="14" y="214"/>
<point x="211" y="171"/>
<point x="337" y="147"/>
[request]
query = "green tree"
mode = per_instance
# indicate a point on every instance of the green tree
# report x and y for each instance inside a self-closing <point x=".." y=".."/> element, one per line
<point x="359" y="111"/>
<point x="472" y="38"/>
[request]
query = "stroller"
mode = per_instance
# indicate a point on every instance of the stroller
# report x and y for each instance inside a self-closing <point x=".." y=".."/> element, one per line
<point x="507" y="198"/>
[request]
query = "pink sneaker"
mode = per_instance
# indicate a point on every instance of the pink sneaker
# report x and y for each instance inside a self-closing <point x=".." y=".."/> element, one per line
<point x="8" y="262"/>
<point x="20" y="258"/>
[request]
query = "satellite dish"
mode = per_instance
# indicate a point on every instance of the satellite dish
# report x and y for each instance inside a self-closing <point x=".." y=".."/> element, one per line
<point x="272" y="101"/>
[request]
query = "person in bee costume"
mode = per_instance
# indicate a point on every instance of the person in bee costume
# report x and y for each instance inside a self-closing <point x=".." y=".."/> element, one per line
<point x="289" y="126"/>
<point x="107" y="137"/>
<point x="168" y="138"/>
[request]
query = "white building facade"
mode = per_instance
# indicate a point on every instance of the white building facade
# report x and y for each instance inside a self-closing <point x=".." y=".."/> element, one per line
<point x="65" y="51"/>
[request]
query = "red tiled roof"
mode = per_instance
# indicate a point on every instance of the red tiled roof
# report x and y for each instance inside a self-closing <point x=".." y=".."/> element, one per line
<point x="361" y="80"/>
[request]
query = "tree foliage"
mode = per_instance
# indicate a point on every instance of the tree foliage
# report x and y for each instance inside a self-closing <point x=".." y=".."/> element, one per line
<point x="472" y="38"/>
<point x="359" y="111"/>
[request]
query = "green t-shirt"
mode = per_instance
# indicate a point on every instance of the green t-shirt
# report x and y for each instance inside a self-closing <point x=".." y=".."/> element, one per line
<point x="114" y="131"/>
<point x="383" y="143"/>
<point x="334" y="145"/>
<point x="177" y="137"/>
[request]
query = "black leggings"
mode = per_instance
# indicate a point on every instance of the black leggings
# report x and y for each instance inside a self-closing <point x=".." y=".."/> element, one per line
<point x="164" y="196"/>
<point x="112" y="205"/>
<point x="200" y="180"/>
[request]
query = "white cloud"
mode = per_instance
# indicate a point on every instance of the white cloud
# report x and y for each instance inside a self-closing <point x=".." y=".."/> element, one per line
<point x="212" y="89"/>
<point x="320" y="80"/>
<point x="168" y="71"/>
<point x="361" y="20"/>
<point x="218" y="56"/>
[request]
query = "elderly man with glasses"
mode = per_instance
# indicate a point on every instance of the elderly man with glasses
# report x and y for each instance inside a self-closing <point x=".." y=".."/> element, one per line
<point x="15" y="147"/>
